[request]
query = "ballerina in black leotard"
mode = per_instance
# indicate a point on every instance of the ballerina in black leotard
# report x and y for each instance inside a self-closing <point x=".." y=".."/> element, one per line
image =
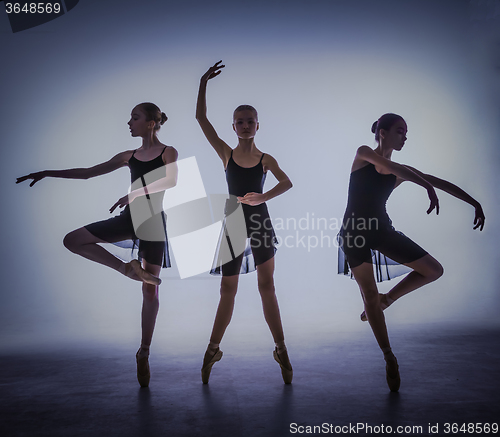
<point x="155" y="162"/>
<point x="246" y="168"/>
<point x="367" y="237"/>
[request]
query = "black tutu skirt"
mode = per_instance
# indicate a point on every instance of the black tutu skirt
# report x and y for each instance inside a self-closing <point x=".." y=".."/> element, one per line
<point x="119" y="231"/>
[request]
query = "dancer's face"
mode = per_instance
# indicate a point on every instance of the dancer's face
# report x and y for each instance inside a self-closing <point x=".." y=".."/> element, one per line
<point x="245" y="124"/>
<point x="139" y="127"/>
<point x="395" y="137"/>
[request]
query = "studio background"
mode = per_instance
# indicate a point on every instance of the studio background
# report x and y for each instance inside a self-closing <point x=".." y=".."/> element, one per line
<point x="319" y="73"/>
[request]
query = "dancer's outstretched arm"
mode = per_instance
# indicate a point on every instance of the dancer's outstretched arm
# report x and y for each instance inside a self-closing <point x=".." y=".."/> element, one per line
<point x="113" y="164"/>
<point x="365" y="153"/>
<point x="284" y="184"/>
<point x="222" y="149"/>
<point x="457" y="192"/>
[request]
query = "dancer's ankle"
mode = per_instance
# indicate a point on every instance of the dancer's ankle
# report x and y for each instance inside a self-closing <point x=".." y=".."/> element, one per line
<point x="143" y="351"/>
<point x="212" y="347"/>
<point x="280" y="346"/>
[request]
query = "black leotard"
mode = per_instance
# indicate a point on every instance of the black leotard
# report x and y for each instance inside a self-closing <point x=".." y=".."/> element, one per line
<point x="262" y="245"/>
<point x="367" y="234"/>
<point x="151" y="241"/>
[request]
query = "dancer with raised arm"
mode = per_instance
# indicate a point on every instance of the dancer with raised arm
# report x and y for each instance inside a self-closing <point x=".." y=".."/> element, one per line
<point x="156" y="163"/>
<point x="246" y="168"/>
<point x="367" y="237"/>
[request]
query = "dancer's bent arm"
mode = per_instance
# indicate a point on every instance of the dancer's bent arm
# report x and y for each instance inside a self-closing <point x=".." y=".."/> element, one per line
<point x="284" y="184"/>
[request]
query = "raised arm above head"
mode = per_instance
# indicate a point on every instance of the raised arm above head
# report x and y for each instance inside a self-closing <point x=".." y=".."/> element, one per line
<point x="114" y="163"/>
<point x="222" y="149"/>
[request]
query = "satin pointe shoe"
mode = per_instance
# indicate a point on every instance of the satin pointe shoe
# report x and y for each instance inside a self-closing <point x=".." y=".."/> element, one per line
<point x="286" y="367"/>
<point x="208" y="362"/>
<point x="143" y="373"/>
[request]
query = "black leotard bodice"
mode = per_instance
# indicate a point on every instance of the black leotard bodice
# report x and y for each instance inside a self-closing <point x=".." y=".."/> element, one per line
<point x="243" y="180"/>
<point x="368" y="194"/>
<point x="140" y="168"/>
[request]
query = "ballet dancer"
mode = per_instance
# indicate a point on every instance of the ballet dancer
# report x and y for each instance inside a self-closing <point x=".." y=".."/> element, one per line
<point x="246" y="168"/>
<point x="156" y="162"/>
<point x="367" y="236"/>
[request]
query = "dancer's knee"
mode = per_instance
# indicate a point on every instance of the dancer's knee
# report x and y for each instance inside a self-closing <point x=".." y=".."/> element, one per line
<point x="436" y="270"/>
<point x="150" y="292"/>
<point x="266" y="286"/>
<point x="370" y="296"/>
<point x="71" y="242"/>
<point x="228" y="288"/>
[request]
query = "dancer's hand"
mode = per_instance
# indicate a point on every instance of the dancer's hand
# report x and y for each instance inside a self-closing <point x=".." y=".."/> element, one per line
<point x="124" y="201"/>
<point x="213" y="71"/>
<point x="434" y="200"/>
<point x="479" y="218"/>
<point x="252" y="199"/>
<point x="38" y="176"/>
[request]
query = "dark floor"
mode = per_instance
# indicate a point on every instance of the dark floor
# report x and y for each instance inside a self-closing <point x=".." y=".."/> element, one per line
<point x="448" y="376"/>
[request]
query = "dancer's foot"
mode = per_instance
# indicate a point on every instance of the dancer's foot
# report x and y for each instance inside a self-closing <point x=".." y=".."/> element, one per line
<point x="284" y="362"/>
<point x="211" y="357"/>
<point x="134" y="270"/>
<point x="143" y="372"/>
<point x="383" y="304"/>
<point x="392" y="371"/>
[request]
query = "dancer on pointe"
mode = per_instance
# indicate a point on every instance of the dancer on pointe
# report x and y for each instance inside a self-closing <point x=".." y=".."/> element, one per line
<point x="157" y="163"/>
<point x="246" y="168"/>
<point x="367" y="236"/>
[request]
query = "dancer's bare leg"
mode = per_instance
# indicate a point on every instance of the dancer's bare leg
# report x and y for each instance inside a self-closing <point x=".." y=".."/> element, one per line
<point x="150" y="305"/>
<point x="228" y="289"/>
<point x="368" y="287"/>
<point x="425" y="270"/>
<point x="265" y="281"/>
<point x="84" y="243"/>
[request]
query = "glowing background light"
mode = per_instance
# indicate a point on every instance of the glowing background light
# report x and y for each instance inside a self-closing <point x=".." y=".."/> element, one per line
<point x="319" y="74"/>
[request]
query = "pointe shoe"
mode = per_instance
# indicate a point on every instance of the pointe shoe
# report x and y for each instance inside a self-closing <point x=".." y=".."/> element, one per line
<point x="286" y="367"/>
<point x="134" y="266"/>
<point x="207" y="368"/>
<point x="392" y="372"/>
<point x="383" y="305"/>
<point x="143" y="372"/>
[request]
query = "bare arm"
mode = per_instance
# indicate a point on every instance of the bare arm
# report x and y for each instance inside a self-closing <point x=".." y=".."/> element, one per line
<point x="284" y="184"/>
<point x="222" y="149"/>
<point x="365" y="153"/>
<point x="457" y="192"/>
<point x="114" y="163"/>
